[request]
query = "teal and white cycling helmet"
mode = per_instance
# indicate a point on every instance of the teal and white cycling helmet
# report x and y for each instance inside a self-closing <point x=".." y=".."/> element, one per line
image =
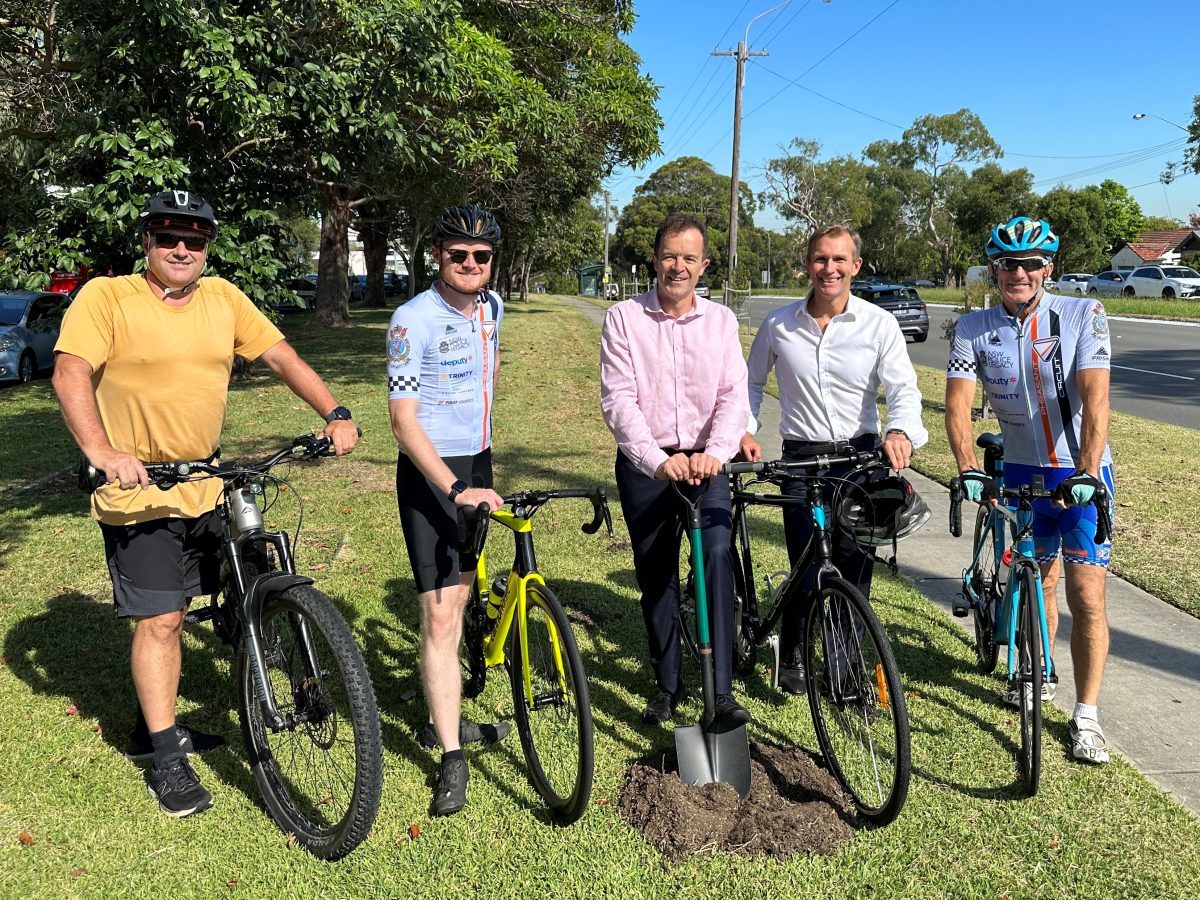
<point x="1021" y="235"/>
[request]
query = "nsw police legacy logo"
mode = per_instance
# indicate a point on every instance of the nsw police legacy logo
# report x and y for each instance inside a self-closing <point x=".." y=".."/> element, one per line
<point x="398" y="344"/>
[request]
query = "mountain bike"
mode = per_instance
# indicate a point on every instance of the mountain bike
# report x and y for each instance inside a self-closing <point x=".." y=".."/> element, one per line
<point x="519" y="623"/>
<point x="306" y="703"/>
<point x="1005" y="594"/>
<point x="855" y="696"/>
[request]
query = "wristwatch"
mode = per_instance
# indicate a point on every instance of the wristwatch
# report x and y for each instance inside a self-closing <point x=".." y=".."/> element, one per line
<point x="457" y="488"/>
<point x="898" y="431"/>
<point x="339" y="412"/>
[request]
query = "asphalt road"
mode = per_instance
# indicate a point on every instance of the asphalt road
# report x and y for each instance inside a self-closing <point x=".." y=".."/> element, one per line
<point x="1156" y="365"/>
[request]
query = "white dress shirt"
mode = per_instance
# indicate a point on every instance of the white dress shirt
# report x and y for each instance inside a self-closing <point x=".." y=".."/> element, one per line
<point x="828" y="382"/>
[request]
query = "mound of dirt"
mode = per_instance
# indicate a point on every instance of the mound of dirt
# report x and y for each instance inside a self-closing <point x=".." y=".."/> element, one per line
<point x="794" y="806"/>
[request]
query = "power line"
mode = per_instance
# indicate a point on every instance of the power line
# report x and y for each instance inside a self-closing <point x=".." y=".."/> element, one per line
<point x="1132" y="159"/>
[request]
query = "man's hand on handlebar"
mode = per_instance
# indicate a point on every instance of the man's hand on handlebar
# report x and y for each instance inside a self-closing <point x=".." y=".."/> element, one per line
<point x="749" y="448"/>
<point x="976" y="486"/>
<point x="344" y="434"/>
<point x="472" y="497"/>
<point x="123" y="468"/>
<point x="1077" y="489"/>
<point x="898" y="449"/>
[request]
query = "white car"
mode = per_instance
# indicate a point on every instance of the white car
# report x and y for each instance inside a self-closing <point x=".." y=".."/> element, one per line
<point x="1072" y="283"/>
<point x="1162" y="281"/>
<point x="1109" y="283"/>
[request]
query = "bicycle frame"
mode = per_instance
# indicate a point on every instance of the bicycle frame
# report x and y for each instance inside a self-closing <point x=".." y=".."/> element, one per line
<point x="1021" y="559"/>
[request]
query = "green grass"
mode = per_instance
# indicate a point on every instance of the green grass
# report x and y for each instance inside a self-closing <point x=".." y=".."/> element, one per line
<point x="966" y="831"/>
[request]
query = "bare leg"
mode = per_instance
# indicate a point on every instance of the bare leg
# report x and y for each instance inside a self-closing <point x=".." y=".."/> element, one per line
<point x="155" y="661"/>
<point x="441" y="634"/>
<point x="1089" y="629"/>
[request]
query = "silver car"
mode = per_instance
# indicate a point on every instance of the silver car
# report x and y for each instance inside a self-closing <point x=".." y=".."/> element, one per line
<point x="29" y="323"/>
<point x="1109" y="283"/>
<point x="1072" y="283"/>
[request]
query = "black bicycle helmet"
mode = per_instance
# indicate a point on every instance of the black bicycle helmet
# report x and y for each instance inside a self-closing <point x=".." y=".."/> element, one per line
<point x="178" y="209"/>
<point x="466" y="223"/>
<point x="876" y="507"/>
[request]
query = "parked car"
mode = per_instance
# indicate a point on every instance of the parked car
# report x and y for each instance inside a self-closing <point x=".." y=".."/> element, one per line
<point x="1110" y="282"/>
<point x="902" y="302"/>
<point x="702" y="290"/>
<point x="1072" y="283"/>
<point x="923" y="282"/>
<point x="357" y="291"/>
<point x="395" y="285"/>
<point x="1162" y="281"/>
<point x="303" y="296"/>
<point x="29" y="323"/>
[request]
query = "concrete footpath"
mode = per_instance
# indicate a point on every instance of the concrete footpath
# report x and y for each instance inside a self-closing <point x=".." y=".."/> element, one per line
<point x="1150" y="701"/>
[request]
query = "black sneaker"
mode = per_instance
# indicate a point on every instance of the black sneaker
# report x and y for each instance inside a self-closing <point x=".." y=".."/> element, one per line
<point x="469" y="732"/>
<point x="177" y="789"/>
<point x="663" y="706"/>
<point x="729" y="712"/>
<point x="138" y="748"/>
<point x="450" y="794"/>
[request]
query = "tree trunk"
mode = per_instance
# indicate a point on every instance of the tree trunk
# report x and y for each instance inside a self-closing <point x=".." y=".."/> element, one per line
<point x="333" y="293"/>
<point x="375" y="246"/>
<point x="417" y="275"/>
<point x="526" y="264"/>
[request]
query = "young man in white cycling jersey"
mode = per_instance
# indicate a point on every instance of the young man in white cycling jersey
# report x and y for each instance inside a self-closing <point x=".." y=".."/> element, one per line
<point x="1044" y="362"/>
<point x="443" y="359"/>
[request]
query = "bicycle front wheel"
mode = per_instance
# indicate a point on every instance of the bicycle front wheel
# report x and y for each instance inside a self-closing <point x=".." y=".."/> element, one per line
<point x="985" y="582"/>
<point x="552" y="709"/>
<point x="1028" y="679"/>
<point x="321" y="775"/>
<point x="857" y="701"/>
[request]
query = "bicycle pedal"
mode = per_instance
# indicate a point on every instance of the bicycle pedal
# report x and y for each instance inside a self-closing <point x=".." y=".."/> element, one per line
<point x="773" y="646"/>
<point x="959" y="608"/>
<point x="199" y="615"/>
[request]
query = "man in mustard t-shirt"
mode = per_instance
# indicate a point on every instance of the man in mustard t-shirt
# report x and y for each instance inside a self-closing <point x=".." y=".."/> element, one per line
<point x="142" y="371"/>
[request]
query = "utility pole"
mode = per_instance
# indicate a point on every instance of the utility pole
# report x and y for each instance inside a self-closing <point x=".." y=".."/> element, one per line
<point x="741" y="54"/>
<point x="604" y="275"/>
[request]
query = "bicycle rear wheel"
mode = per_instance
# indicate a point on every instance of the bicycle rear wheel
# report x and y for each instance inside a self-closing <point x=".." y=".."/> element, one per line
<point x="857" y="701"/>
<point x="745" y="653"/>
<point x="321" y="776"/>
<point x="554" y="713"/>
<point x="985" y="582"/>
<point x="1029" y="682"/>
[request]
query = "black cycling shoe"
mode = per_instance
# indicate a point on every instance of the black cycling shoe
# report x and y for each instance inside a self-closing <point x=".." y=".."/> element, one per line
<point x="450" y="794"/>
<point x="663" y="706"/>
<point x="729" y="712"/>
<point x="191" y="740"/>
<point x="792" y="679"/>
<point x="177" y="789"/>
<point x="469" y="732"/>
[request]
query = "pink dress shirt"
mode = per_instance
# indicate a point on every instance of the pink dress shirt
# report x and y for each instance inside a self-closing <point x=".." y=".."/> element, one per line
<point x="672" y="383"/>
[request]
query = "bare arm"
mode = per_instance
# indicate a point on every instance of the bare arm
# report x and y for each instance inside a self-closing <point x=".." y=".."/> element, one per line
<point x="308" y="386"/>
<point x="1093" y="393"/>
<point x="77" y="400"/>
<point x="960" y="396"/>
<point x="415" y="444"/>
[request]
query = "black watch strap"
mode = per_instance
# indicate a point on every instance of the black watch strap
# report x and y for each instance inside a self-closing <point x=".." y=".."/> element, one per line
<point x="457" y="488"/>
<point x="339" y="412"/>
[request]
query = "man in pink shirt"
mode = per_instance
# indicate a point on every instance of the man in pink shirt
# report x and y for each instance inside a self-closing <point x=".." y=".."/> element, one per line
<point x="673" y="393"/>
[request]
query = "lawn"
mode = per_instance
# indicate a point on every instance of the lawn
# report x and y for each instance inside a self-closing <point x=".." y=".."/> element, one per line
<point x="75" y="819"/>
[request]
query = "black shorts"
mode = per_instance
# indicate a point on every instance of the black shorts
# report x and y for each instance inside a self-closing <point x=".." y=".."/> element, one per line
<point x="156" y="566"/>
<point x="430" y="520"/>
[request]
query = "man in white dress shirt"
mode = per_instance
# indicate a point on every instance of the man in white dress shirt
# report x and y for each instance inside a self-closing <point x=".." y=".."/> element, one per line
<point x="832" y="352"/>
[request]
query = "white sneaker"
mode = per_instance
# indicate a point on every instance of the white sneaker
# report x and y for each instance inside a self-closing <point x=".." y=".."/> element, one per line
<point x="1087" y="741"/>
<point x="1012" y="698"/>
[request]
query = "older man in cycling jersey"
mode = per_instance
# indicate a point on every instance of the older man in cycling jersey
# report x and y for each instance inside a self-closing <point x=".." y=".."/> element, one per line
<point x="1044" y="360"/>
<point x="443" y="360"/>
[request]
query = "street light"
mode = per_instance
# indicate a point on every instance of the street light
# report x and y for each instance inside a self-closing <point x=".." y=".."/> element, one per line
<point x="1161" y="119"/>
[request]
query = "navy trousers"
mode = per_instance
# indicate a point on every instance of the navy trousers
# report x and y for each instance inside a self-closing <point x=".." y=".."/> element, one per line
<point x="656" y="519"/>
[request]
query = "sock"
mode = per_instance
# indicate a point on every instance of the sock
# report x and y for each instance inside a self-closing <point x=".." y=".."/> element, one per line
<point x="139" y="723"/>
<point x="167" y="747"/>
<point x="452" y="754"/>
<point x="1083" y="711"/>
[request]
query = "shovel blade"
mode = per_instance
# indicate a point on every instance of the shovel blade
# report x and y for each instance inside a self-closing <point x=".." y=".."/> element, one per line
<point x="710" y="756"/>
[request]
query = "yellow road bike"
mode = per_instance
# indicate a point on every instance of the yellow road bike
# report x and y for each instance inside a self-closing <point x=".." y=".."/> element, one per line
<point x="517" y="622"/>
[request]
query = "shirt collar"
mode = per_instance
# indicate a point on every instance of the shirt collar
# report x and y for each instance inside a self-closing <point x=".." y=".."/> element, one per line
<point x="649" y="301"/>
<point x="850" y="313"/>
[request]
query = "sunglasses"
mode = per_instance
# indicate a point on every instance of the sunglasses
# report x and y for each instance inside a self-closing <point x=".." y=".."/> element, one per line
<point x="194" y="242"/>
<point x="458" y="257"/>
<point x="1029" y="264"/>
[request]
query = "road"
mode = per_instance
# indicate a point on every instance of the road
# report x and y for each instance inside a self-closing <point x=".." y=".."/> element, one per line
<point x="1156" y="365"/>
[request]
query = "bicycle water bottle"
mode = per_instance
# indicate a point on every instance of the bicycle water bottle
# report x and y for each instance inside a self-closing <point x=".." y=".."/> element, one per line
<point x="495" y="600"/>
<point x="244" y="514"/>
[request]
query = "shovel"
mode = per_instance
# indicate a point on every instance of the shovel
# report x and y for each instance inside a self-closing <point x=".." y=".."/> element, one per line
<point x="707" y="751"/>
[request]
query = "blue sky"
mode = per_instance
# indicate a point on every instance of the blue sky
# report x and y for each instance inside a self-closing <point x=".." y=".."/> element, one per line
<point x="1057" y="89"/>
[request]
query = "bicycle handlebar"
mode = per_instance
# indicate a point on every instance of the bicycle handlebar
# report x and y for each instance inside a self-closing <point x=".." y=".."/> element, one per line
<point x="1100" y="500"/>
<point x="164" y="475"/>
<point x="779" y="468"/>
<point x="473" y="524"/>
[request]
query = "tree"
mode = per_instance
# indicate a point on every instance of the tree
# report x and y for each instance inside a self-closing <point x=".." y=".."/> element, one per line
<point x="988" y="196"/>
<point x="927" y="168"/>
<point x="686" y="185"/>
<point x="1123" y="219"/>
<point x="815" y="193"/>
<point x="1078" y="217"/>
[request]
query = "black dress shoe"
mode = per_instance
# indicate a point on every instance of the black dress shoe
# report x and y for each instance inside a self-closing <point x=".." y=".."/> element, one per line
<point x="663" y="706"/>
<point x="729" y="712"/>
<point x="792" y="680"/>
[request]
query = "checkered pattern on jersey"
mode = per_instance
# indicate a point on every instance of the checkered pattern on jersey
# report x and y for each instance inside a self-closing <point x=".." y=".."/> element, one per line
<point x="405" y="384"/>
<point x="961" y="365"/>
